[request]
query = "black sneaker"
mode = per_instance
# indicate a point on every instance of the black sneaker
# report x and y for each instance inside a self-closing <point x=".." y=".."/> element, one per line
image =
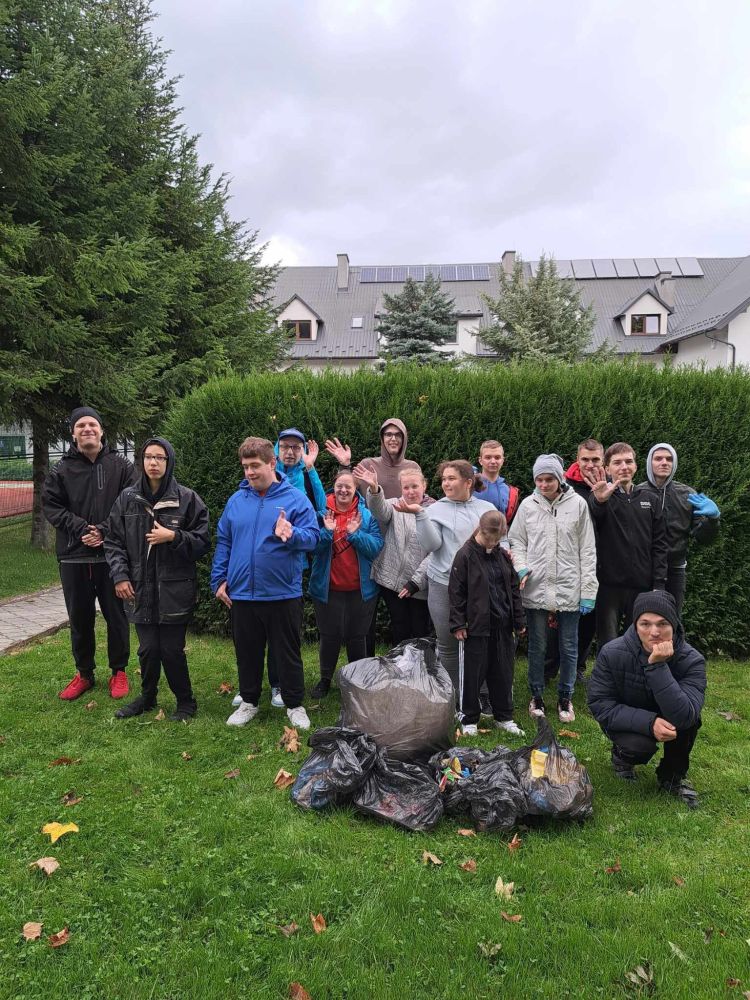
<point x="135" y="707"/>
<point x="484" y="706"/>
<point x="622" y="769"/>
<point x="536" y="707"/>
<point x="321" y="689"/>
<point x="681" y="790"/>
<point x="183" y="713"/>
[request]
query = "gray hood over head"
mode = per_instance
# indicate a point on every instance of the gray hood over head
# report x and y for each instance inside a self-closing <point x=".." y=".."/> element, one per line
<point x="649" y="471"/>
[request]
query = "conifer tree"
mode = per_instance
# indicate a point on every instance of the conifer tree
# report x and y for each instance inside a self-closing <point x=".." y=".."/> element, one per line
<point x="418" y="319"/>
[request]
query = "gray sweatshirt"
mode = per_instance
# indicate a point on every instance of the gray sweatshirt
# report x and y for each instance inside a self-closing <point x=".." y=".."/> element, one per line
<point x="443" y="528"/>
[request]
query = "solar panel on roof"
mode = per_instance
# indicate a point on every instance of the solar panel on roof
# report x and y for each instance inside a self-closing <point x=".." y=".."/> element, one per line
<point x="481" y="272"/>
<point x="400" y="273"/>
<point x="384" y="273"/>
<point x="463" y="272"/>
<point x="604" y="268"/>
<point x="625" y="267"/>
<point x="565" y="268"/>
<point x="646" y="267"/>
<point x="432" y="269"/>
<point x="583" y="269"/>
<point x="368" y="274"/>
<point x="417" y="272"/>
<point x="447" y="272"/>
<point x="669" y="264"/>
<point x="533" y="267"/>
<point x="690" y="267"/>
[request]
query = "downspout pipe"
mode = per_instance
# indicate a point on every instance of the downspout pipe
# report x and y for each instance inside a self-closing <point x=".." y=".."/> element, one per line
<point x="728" y="343"/>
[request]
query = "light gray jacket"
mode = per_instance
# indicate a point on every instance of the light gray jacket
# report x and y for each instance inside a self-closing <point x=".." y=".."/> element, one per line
<point x="443" y="528"/>
<point x="401" y="554"/>
<point x="555" y="543"/>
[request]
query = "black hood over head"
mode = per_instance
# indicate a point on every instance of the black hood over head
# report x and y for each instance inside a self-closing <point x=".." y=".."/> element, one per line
<point x="168" y="475"/>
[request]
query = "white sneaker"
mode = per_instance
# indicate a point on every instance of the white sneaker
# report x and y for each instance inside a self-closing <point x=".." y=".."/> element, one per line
<point x="244" y="714"/>
<point x="469" y="730"/>
<point x="237" y="701"/>
<point x="510" y="727"/>
<point x="276" y="700"/>
<point x="536" y="707"/>
<point x="298" y="717"/>
<point x="565" y="711"/>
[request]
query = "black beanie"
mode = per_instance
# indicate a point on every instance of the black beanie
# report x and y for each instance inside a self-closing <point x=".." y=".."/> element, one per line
<point x="84" y="411"/>
<point x="656" y="602"/>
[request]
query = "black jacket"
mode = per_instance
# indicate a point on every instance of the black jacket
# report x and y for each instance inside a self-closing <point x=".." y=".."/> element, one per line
<point x="627" y="695"/>
<point x="77" y="493"/>
<point x="631" y="541"/>
<point x="680" y="521"/>
<point x="469" y="590"/>
<point x="163" y="576"/>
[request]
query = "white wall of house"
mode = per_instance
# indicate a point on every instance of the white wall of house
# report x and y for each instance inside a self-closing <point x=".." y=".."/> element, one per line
<point x="702" y="350"/>
<point x="318" y="365"/>
<point x="13" y="431"/>
<point x="466" y="337"/>
<point x="739" y="335"/>
<point x="649" y="306"/>
<point x="296" y="310"/>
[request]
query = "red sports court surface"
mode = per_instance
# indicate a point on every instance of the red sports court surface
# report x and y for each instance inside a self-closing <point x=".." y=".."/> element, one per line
<point x="15" y="498"/>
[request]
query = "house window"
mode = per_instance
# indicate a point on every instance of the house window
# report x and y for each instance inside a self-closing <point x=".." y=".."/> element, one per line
<point x="300" y="329"/>
<point x="646" y="325"/>
<point x="356" y="322"/>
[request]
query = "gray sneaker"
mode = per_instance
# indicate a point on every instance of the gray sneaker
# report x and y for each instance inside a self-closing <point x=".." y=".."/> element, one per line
<point x="276" y="700"/>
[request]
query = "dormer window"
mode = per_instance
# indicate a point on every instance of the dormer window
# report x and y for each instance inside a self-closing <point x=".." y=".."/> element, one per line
<point x="645" y="324"/>
<point x="299" y="329"/>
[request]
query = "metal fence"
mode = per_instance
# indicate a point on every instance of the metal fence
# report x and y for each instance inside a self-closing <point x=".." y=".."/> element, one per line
<point x="16" y="487"/>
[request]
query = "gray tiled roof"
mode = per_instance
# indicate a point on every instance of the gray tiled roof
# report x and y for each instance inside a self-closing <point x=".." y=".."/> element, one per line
<point x="729" y="298"/>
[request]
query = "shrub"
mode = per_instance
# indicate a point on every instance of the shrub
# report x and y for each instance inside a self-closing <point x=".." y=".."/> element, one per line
<point x="16" y="469"/>
<point x="531" y="409"/>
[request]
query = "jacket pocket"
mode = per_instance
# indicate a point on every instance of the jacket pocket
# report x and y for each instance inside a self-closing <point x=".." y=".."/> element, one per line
<point x="176" y="597"/>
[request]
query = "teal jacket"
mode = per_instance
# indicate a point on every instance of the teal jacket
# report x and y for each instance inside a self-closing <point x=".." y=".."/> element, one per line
<point x="367" y="543"/>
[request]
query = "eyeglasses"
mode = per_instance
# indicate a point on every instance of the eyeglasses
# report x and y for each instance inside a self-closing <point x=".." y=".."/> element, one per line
<point x="290" y="447"/>
<point x="154" y="458"/>
<point x="393" y="434"/>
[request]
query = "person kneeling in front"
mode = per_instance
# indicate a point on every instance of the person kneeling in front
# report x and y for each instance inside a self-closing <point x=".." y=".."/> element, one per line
<point x="263" y="535"/>
<point x="647" y="688"/>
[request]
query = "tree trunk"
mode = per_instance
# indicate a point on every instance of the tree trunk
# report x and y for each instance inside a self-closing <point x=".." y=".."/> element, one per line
<point x="41" y="536"/>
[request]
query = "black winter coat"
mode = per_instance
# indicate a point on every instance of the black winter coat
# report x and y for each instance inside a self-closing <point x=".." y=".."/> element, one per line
<point x="680" y="521"/>
<point x="469" y="589"/>
<point x="631" y="540"/>
<point x="163" y="576"/>
<point x="625" y="694"/>
<point x="77" y="493"/>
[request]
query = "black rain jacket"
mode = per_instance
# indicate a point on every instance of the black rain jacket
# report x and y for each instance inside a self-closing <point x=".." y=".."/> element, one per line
<point x="469" y="589"/>
<point x="631" y="539"/>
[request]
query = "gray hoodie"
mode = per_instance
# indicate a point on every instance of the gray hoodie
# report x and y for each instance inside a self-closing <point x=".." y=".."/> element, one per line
<point x="443" y="528"/>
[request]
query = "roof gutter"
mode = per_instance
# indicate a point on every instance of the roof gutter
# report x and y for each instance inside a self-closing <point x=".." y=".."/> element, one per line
<point x="728" y="342"/>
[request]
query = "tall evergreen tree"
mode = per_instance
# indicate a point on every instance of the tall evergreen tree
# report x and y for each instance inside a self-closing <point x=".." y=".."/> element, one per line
<point x="539" y="318"/>
<point x="123" y="281"/>
<point x="417" y="319"/>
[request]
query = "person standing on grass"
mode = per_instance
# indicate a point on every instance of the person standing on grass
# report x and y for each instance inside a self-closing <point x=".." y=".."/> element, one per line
<point x="496" y="491"/>
<point x="589" y="457"/>
<point x="401" y="555"/>
<point x="485" y="612"/>
<point x="77" y="497"/>
<point x="262" y="539"/>
<point x="158" y="530"/>
<point x="647" y="688"/>
<point x="553" y="548"/>
<point x="441" y="530"/>
<point x="687" y="514"/>
<point x="341" y="584"/>
<point x="631" y="540"/>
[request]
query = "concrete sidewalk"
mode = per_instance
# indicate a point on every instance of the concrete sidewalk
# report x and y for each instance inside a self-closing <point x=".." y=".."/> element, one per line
<point x="25" y="618"/>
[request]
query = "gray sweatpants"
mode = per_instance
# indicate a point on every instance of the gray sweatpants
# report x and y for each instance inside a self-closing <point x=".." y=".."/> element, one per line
<point x="437" y="601"/>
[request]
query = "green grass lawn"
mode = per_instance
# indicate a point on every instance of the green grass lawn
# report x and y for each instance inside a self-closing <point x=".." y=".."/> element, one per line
<point x="23" y="569"/>
<point x="179" y="878"/>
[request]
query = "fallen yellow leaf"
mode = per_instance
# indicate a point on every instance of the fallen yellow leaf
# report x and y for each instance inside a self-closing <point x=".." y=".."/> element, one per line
<point x="284" y="779"/>
<point x="570" y="734"/>
<point x="428" y="858"/>
<point x="290" y="740"/>
<point x="160" y="716"/>
<point x="515" y="843"/>
<point x="90" y="706"/>
<point x="46" y="865"/>
<point x="57" y="830"/>
<point x="504" y="889"/>
<point x="186" y="756"/>
<point x="32" y="931"/>
<point x="318" y="923"/>
<point x="512" y="918"/>
<point x="466" y="833"/>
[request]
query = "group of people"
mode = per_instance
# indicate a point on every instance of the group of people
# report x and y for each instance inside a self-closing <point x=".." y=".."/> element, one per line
<point x="587" y="554"/>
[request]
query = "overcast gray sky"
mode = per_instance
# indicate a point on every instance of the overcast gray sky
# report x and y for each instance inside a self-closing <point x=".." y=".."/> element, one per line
<point x="413" y="131"/>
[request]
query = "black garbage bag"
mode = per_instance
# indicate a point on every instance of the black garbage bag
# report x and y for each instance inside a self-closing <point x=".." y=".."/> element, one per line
<point x="403" y="700"/>
<point x="340" y="762"/>
<point x="449" y="768"/>
<point x="400" y="793"/>
<point x="556" y="784"/>
<point x="494" y="793"/>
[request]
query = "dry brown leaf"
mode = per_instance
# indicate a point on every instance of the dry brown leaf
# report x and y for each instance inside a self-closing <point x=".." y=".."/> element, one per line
<point x="2" y="740"/>
<point x="458" y="735"/>
<point x="428" y="858"/>
<point x="235" y="773"/>
<point x="64" y="761"/>
<point x="466" y="833"/>
<point x="160" y="716"/>
<point x="224" y="688"/>
<point x="252" y="756"/>
<point x="515" y="843"/>
<point x="46" y="865"/>
<point x="678" y="881"/>
<point x="615" y="868"/>
<point x="298" y="992"/>
<point x="318" y="922"/>
<point x="570" y="734"/>
<point x="290" y="740"/>
<point x="32" y="931"/>
<point x="732" y="982"/>
<point x="484" y="730"/>
<point x="59" y="939"/>
<point x="731" y="716"/>
<point x="90" y="706"/>
<point x="746" y="994"/>
<point x="71" y="799"/>
<point x="186" y="756"/>
<point x="504" y="889"/>
<point x="512" y="918"/>
<point x="284" y="779"/>
<point x="57" y="830"/>
<point x="469" y="865"/>
<point x="288" y="929"/>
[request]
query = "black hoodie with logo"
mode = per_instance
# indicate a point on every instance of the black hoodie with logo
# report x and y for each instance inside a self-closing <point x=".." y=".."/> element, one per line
<point x="631" y="539"/>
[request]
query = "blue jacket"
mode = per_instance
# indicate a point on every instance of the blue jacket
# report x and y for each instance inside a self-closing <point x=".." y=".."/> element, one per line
<point x="300" y="478"/>
<point x="256" y="565"/>
<point x="367" y="542"/>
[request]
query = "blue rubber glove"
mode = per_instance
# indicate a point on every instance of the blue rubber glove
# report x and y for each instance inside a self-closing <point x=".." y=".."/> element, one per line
<point x="586" y="606"/>
<point x="704" y="506"/>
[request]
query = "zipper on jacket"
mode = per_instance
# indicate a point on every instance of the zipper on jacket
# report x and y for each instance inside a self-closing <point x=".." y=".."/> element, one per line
<point x="252" y="547"/>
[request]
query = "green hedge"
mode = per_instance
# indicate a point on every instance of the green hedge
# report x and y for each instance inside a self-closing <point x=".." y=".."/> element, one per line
<point x="531" y="409"/>
<point x="15" y="470"/>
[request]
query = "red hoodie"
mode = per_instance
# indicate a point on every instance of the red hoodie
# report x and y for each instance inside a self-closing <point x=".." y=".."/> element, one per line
<point x="344" y="562"/>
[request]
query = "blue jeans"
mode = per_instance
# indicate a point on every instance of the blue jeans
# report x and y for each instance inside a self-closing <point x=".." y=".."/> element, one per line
<point x="567" y="640"/>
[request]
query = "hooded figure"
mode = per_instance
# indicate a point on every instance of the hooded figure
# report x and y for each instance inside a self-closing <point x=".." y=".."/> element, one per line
<point x="158" y="530"/>
<point x="392" y="461"/>
<point x="302" y="478"/>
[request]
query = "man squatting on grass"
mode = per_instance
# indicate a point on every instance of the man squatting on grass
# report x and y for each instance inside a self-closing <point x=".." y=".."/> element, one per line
<point x="647" y="688"/>
<point x="263" y="535"/>
<point x="77" y="497"/>
<point x="158" y="530"/>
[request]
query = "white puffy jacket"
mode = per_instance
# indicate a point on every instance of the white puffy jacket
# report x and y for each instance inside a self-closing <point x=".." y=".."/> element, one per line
<point x="555" y="543"/>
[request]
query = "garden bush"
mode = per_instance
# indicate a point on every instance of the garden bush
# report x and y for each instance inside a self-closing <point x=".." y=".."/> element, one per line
<point x="531" y="409"/>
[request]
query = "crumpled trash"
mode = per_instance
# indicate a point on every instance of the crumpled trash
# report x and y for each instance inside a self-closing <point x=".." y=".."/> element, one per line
<point x="400" y="793"/>
<point x="554" y="781"/>
<point x="403" y="700"/>
<point x="452" y="769"/>
<point x="481" y="783"/>
<point x="340" y="762"/>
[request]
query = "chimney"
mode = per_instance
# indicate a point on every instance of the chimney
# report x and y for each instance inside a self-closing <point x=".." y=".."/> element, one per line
<point x="509" y="260"/>
<point x="342" y="270"/>
<point x="664" y="285"/>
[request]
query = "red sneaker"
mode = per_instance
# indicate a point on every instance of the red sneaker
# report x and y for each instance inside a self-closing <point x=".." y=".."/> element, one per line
<point x="118" y="684"/>
<point x="78" y="686"/>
